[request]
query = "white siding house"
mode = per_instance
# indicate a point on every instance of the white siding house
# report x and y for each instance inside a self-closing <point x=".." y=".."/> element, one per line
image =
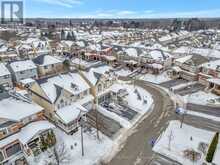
<point x="5" y="76"/>
<point x="22" y="70"/>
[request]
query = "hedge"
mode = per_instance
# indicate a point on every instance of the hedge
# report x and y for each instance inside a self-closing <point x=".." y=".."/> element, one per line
<point x="212" y="148"/>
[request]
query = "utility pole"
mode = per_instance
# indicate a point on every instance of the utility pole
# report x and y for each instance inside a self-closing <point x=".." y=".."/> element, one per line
<point x="81" y="125"/>
<point x="96" y="118"/>
<point x="170" y="139"/>
<point x="183" y="116"/>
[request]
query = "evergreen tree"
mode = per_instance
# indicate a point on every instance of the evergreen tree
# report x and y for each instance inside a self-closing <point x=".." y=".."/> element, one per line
<point x="212" y="148"/>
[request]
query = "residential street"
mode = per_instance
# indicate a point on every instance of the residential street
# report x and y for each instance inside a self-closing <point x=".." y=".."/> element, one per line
<point x="137" y="150"/>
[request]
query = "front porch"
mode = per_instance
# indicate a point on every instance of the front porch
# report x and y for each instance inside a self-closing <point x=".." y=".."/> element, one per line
<point x="40" y="143"/>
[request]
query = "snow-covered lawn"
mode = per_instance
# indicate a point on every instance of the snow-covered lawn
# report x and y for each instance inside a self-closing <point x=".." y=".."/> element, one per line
<point x="141" y="105"/>
<point x="182" y="139"/>
<point x="156" y="79"/>
<point x="201" y="98"/>
<point x="94" y="149"/>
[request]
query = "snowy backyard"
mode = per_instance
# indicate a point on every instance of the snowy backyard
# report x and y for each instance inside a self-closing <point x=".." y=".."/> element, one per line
<point x="137" y="100"/>
<point x="177" y="143"/>
<point x="69" y="149"/>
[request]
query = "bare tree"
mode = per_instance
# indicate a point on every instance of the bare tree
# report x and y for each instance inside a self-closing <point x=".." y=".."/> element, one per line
<point x="60" y="154"/>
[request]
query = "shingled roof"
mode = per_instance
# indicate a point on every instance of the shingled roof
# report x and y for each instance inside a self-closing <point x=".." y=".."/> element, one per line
<point x="46" y="60"/>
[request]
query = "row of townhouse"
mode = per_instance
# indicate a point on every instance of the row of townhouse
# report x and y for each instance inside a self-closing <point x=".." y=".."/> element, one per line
<point x="27" y="47"/>
<point x="155" y="60"/>
<point x="198" y="68"/>
<point x="23" y="129"/>
<point x="18" y="71"/>
<point x="70" y="96"/>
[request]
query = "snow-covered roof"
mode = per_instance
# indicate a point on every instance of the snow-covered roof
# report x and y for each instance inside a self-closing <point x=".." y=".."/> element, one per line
<point x="9" y="140"/>
<point x="18" y="66"/>
<point x="157" y="66"/>
<point x="80" y="44"/>
<point x="95" y="47"/>
<point x="214" y="80"/>
<point x="3" y="70"/>
<point x="183" y="59"/>
<point x="68" y="43"/>
<point x="3" y="48"/>
<point x="177" y="69"/>
<point x="27" y="132"/>
<point x="131" y="52"/>
<point x="17" y="109"/>
<point x="211" y="64"/>
<point x="27" y="81"/>
<point x="206" y="52"/>
<point x="45" y="60"/>
<point x="63" y="81"/>
<point x="71" y="112"/>
<point x="159" y="55"/>
<point x="110" y="58"/>
<point x="32" y="129"/>
<point x="94" y="73"/>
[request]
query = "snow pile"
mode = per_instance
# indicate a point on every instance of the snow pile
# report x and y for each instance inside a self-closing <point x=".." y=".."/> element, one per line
<point x="175" y="140"/>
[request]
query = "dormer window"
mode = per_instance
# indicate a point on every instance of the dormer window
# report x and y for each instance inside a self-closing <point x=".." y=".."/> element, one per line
<point x="74" y="87"/>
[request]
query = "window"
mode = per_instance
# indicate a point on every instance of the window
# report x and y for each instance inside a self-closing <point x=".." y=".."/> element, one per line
<point x="21" y="72"/>
<point x="13" y="149"/>
<point x="45" y="67"/>
<point x="85" y="92"/>
<point x="52" y="65"/>
<point x="99" y="87"/>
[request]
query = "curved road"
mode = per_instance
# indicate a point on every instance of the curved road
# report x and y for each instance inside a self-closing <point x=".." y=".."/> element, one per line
<point x="136" y="150"/>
